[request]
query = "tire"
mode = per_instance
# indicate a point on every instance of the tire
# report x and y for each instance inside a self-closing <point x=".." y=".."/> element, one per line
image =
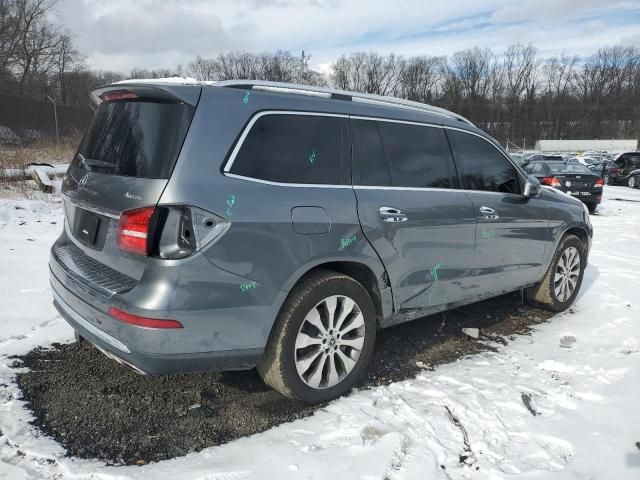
<point x="286" y="355"/>
<point x="632" y="182"/>
<point x="592" y="207"/>
<point x="544" y="294"/>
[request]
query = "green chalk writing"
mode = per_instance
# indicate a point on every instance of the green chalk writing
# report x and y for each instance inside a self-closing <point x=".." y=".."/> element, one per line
<point x="245" y="99"/>
<point x="247" y="286"/>
<point x="488" y="233"/>
<point x="312" y="156"/>
<point x="434" y="272"/>
<point x="345" y="242"/>
<point x="230" y="203"/>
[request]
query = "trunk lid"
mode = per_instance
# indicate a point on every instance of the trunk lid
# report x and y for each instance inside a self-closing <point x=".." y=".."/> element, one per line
<point x="124" y="162"/>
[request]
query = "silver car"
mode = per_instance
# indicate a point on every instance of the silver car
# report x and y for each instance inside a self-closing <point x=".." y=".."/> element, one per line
<point x="249" y="224"/>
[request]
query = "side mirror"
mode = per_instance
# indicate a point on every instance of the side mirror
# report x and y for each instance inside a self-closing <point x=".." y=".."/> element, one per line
<point x="531" y="187"/>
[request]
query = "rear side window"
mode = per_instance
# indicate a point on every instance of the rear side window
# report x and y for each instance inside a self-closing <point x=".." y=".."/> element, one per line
<point x="371" y="164"/>
<point x="402" y="155"/>
<point x="292" y="149"/>
<point x="135" y="138"/>
<point x="481" y="165"/>
<point x="418" y="156"/>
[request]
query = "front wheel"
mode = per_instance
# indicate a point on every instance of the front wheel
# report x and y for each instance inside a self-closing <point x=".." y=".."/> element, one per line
<point x="323" y="339"/>
<point x="562" y="281"/>
<point x="632" y="182"/>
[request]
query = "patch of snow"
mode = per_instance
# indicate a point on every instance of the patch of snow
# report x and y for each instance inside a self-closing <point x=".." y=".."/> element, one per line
<point x="168" y="80"/>
<point x="530" y="410"/>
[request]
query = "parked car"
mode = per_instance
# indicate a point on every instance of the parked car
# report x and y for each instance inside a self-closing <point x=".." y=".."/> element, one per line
<point x="617" y="173"/>
<point x="540" y="157"/>
<point x="572" y="178"/>
<point x="253" y="224"/>
<point x="633" y="180"/>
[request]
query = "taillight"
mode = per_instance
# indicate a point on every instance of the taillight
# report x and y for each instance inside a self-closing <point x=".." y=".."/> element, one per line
<point x="143" y="321"/>
<point x="599" y="183"/>
<point x="179" y="231"/>
<point x="551" y="181"/>
<point x="118" y="95"/>
<point x="133" y="230"/>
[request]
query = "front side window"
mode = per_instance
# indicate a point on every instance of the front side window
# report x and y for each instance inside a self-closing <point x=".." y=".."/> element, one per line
<point x="293" y="149"/>
<point x="481" y="165"/>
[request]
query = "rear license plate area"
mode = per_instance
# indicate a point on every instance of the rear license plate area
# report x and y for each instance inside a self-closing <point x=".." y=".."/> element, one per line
<point x="87" y="227"/>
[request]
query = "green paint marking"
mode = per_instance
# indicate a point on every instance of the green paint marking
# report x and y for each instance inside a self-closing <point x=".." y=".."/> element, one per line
<point x="230" y="203"/>
<point x="247" y="286"/>
<point x="434" y="272"/>
<point x="245" y="99"/>
<point x="312" y="156"/>
<point x="488" y="233"/>
<point x="345" y="242"/>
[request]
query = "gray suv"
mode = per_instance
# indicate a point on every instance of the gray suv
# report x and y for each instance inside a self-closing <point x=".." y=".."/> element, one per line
<point x="248" y="224"/>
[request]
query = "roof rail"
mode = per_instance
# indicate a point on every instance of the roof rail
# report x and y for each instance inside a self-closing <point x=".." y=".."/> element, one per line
<point x="297" y="89"/>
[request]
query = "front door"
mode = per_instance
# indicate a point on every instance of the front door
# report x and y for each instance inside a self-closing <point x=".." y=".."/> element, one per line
<point x="511" y="230"/>
<point x="411" y="211"/>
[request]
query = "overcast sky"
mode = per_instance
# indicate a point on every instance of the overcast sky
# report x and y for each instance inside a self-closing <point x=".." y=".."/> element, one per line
<point x="120" y="34"/>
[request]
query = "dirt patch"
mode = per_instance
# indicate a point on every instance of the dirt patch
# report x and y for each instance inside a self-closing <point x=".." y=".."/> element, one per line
<point x="97" y="408"/>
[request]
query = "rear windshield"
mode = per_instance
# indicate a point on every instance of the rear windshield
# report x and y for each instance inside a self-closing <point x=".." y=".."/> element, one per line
<point x="135" y="138"/>
<point x="568" y="168"/>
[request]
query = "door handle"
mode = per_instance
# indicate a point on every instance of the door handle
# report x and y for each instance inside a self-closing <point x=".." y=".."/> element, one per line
<point x="488" y="213"/>
<point x="391" y="214"/>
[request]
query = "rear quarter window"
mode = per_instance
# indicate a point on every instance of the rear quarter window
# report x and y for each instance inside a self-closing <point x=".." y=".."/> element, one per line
<point x="289" y="148"/>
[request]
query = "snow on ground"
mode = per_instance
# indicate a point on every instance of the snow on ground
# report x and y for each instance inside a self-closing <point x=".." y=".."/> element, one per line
<point x="579" y="375"/>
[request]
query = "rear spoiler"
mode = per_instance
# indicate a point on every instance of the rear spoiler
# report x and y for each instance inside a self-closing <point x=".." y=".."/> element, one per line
<point x="189" y="94"/>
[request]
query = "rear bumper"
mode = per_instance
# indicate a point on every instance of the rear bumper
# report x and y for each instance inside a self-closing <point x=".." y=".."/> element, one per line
<point x="591" y="198"/>
<point x="145" y="363"/>
<point x="156" y="364"/>
<point x="225" y="328"/>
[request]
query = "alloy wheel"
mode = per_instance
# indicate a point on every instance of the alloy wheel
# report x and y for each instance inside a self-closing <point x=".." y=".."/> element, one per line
<point x="329" y="342"/>
<point x="567" y="273"/>
<point x="631" y="181"/>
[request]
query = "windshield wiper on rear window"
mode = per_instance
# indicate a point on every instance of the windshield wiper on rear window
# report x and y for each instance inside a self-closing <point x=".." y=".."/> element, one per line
<point x="91" y="163"/>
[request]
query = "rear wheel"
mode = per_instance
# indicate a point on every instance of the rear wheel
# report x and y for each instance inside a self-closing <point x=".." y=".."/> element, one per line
<point x="632" y="182"/>
<point x="323" y="339"/>
<point x="562" y="281"/>
<point x="592" y="207"/>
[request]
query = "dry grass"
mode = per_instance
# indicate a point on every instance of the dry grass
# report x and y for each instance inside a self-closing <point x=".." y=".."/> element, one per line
<point x="47" y="151"/>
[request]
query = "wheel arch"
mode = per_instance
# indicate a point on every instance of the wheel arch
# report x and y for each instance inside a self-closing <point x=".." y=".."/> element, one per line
<point x="379" y="292"/>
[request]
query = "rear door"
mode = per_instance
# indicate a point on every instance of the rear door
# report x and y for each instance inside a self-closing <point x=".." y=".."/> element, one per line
<point x="421" y="226"/>
<point x="124" y="162"/>
<point x="511" y="230"/>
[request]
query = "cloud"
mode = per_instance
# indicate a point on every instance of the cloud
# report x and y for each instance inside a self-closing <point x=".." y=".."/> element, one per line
<point x="122" y="34"/>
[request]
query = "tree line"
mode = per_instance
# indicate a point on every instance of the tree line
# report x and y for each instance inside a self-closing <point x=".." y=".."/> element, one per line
<point x="516" y="94"/>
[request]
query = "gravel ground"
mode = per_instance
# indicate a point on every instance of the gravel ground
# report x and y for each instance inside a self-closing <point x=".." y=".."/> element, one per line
<point x="97" y="408"/>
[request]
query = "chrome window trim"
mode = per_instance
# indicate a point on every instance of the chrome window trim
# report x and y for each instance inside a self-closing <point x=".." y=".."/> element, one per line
<point x="229" y="164"/>
<point x="391" y="120"/>
<point x="280" y="184"/>
<point x="417" y="189"/>
<point x="91" y="208"/>
<point x="256" y="117"/>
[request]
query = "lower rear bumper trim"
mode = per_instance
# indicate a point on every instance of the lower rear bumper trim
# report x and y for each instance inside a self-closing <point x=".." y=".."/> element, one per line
<point x="114" y="342"/>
